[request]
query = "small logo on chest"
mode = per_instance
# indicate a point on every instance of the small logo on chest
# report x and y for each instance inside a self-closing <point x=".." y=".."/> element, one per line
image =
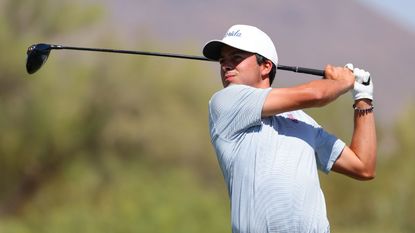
<point x="292" y="118"/>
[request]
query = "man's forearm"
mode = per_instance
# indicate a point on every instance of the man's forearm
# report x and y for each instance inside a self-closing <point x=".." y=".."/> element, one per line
<point x="364" y="135"/>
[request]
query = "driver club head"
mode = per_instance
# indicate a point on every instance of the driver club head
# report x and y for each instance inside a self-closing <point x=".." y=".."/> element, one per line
<point x="37" y="55"/>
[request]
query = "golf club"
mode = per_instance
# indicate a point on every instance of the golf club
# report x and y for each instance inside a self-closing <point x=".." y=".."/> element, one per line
<point x="37" y="55"/>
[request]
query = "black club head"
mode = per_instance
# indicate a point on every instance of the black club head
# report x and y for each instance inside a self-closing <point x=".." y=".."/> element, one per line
<point x="37" y="55"/>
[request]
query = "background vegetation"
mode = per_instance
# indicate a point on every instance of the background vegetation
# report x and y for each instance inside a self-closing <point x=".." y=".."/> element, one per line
<point x="114" y="143"/>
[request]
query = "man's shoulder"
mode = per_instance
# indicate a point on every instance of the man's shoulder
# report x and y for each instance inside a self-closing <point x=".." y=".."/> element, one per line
<point x="227" y="95"/>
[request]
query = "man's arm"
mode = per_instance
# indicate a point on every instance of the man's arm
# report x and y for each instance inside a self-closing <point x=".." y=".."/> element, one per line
<point x="317" y="93"/>
<point x="359" y="160"/>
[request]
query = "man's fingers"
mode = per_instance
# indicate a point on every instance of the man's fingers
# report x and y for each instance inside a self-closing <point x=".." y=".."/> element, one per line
<point x="349" y="66"/>
<point x="361" y="75"/>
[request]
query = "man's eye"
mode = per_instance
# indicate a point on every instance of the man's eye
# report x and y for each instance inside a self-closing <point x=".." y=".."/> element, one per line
<point x="237" y="58"/>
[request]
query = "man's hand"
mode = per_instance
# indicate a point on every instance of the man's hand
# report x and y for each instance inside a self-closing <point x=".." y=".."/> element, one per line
<point x="363" y="86"/>
<point x="339" y="74"/>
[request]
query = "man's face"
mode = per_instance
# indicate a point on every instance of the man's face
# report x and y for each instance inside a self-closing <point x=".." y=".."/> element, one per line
<point x="239" y="67"/>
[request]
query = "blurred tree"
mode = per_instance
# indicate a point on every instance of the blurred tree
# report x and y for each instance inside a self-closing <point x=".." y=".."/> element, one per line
<point x="29" y="152"/>
<point x="80" y="107"/>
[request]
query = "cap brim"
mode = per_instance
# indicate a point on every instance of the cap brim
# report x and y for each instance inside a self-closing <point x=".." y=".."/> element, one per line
<point x="212" y="49"/>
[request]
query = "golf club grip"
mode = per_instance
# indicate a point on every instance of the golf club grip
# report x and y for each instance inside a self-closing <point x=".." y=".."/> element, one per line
<point x="303" y="70"/>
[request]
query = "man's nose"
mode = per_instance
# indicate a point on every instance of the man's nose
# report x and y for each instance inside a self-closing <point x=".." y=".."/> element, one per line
<point x="226" y="66"/>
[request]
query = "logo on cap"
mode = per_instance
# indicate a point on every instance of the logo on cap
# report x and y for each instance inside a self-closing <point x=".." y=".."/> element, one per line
<point x="234" y="33"/>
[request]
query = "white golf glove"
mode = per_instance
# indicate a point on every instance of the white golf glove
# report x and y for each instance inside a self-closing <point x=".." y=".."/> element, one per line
<point x="363" y="85"/>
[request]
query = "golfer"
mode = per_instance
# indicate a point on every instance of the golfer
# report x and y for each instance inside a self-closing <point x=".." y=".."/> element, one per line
<point x="269" y="150"/>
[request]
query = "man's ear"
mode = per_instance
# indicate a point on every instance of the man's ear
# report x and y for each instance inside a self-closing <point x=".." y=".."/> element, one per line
<point x="266" y="68"/>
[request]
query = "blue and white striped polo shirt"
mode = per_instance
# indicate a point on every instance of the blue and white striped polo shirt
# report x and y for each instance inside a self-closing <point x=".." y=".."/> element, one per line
<point x="270" y="164"/>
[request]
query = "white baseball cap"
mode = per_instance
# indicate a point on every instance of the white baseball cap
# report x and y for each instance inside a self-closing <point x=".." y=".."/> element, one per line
<point x="246" y="38"/>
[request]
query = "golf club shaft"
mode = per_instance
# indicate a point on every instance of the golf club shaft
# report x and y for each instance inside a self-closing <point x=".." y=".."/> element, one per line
<point x="133" y="52"/>
<point x="296" y="69"/>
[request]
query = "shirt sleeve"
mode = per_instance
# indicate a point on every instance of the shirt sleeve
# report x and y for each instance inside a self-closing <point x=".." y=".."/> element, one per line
<point x="236" y="108"/>
<point x="328" y="149"/>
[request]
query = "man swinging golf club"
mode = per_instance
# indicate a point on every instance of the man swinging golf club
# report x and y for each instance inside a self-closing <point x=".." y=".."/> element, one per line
<point x="268" y="149"/>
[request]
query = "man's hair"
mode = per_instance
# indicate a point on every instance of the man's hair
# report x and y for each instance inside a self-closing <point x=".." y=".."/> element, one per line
<point x="260" y="60"/>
